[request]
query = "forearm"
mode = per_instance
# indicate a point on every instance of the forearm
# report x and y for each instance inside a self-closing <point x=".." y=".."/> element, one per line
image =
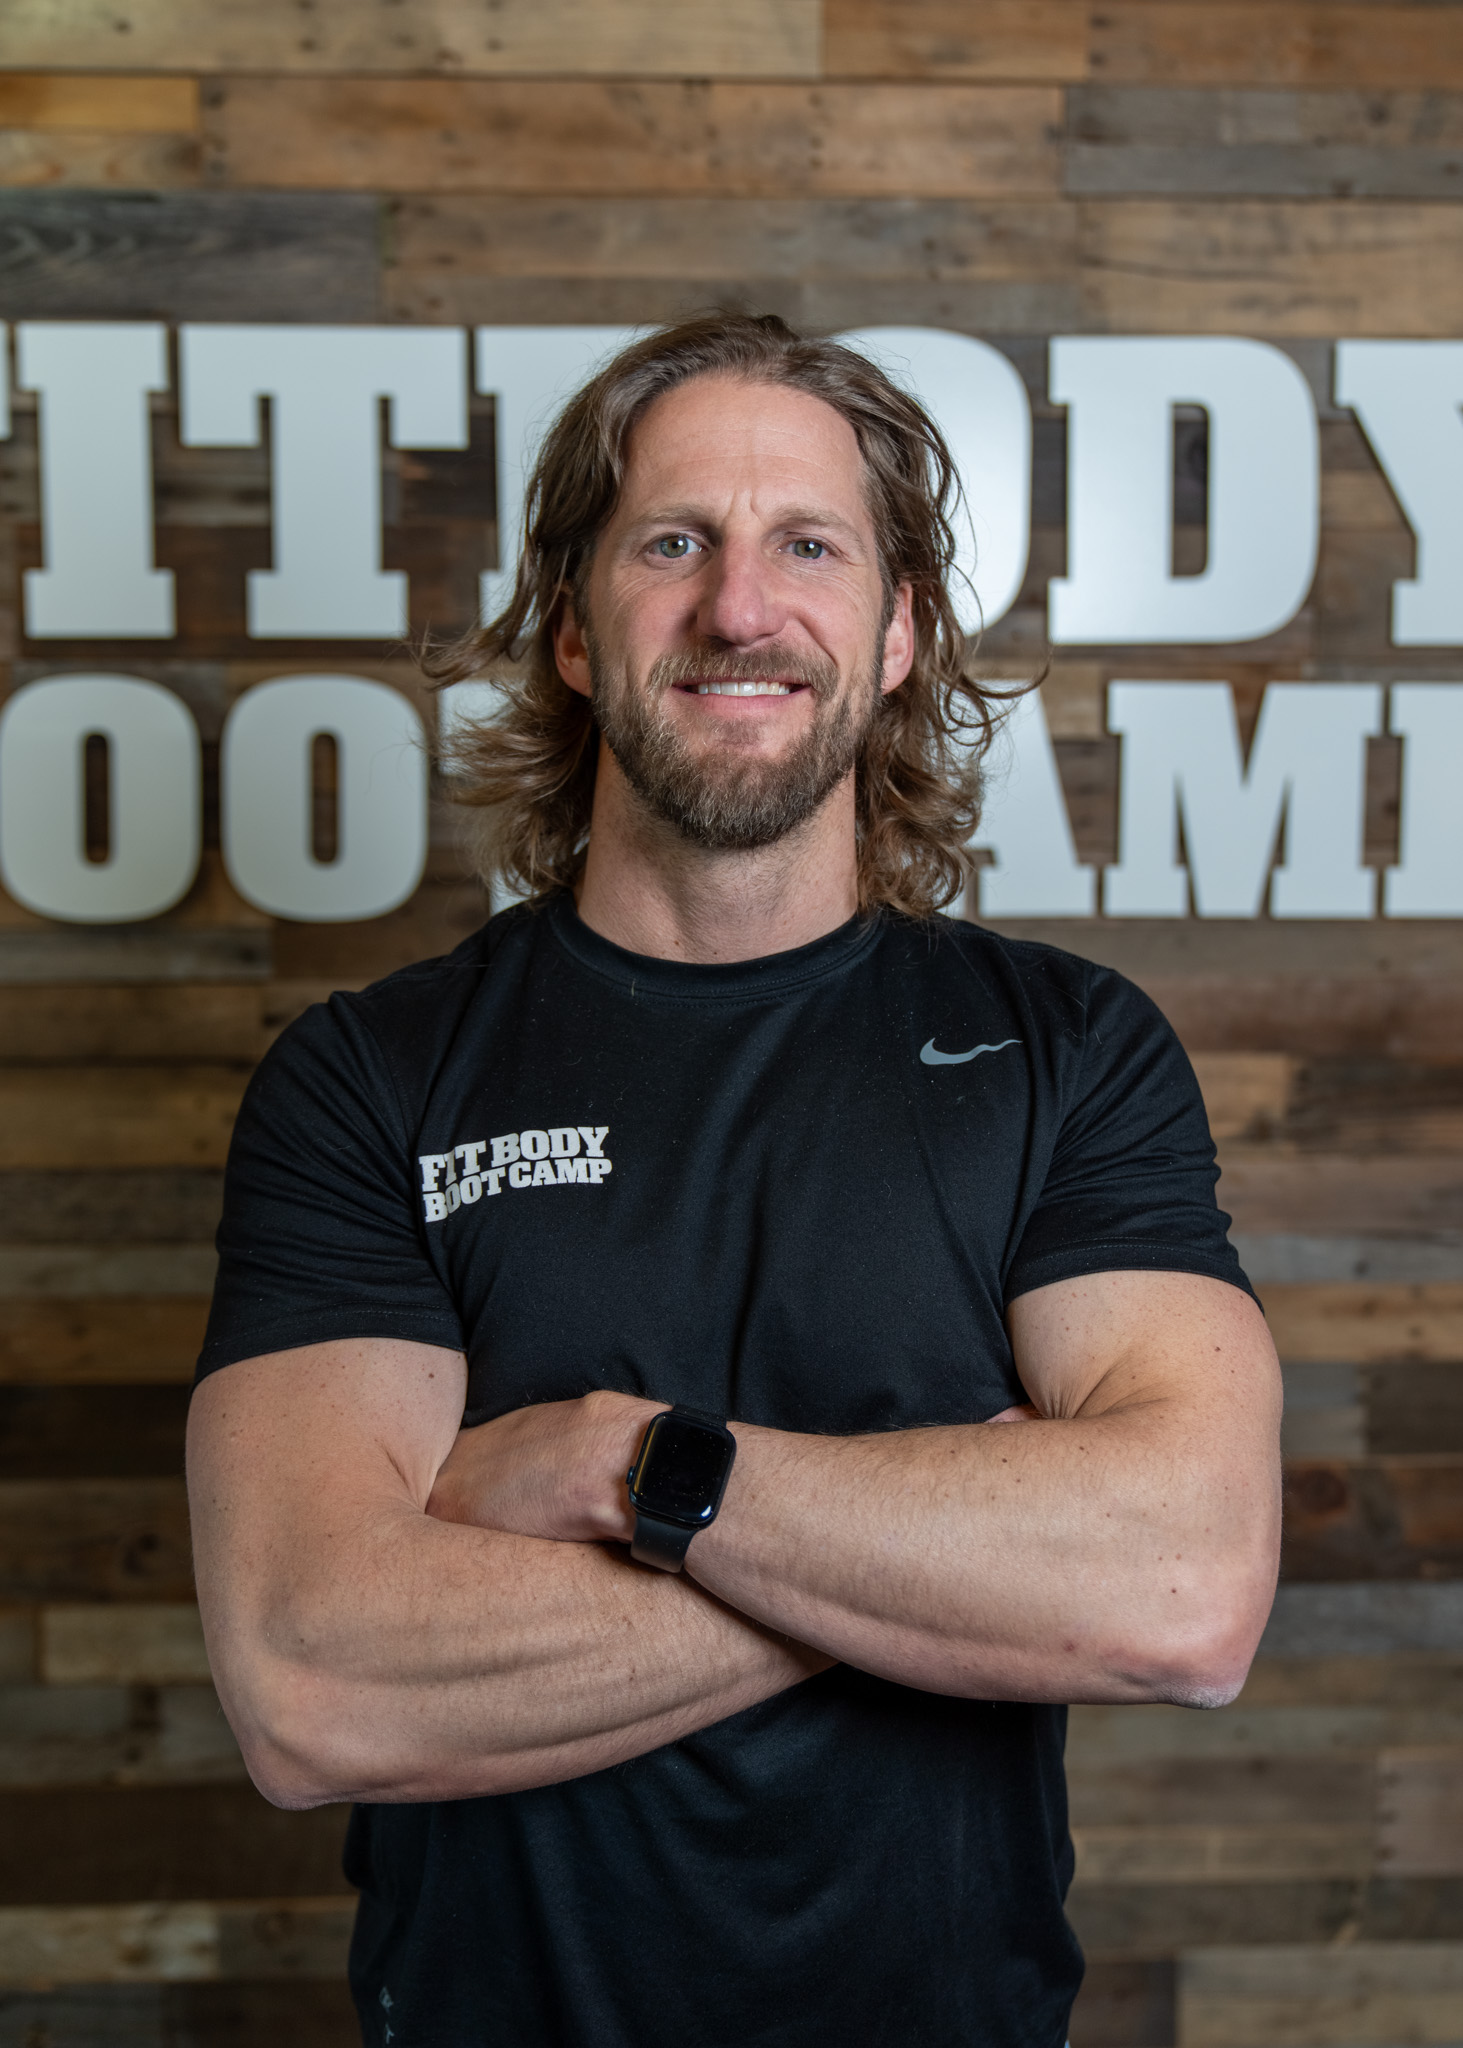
<point x="1062" y="1560"/>
<point x="450" y="1662"/>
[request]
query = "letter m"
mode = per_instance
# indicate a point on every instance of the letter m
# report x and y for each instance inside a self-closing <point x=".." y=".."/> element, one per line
<point x="1305" y="779"/>
<point x="572" y="1170"/>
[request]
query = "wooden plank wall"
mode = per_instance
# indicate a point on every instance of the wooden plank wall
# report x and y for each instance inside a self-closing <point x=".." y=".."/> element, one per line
<point x="1288" y="1869"/>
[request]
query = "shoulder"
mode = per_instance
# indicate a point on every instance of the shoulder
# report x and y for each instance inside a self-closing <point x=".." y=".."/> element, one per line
<point x="1071" y="996"/>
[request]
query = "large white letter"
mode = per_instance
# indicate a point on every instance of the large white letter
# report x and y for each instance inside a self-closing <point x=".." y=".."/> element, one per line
<point x="529" y="372"/>
<point x="381" y="798"/>
<point x="154" y="798"/>
<point x="1264" y="489"/>
<point x="1025" y="825"/>
<point x="1429" y="881"/>
<point x="1408" y="395"/>
<point x="980" y="404"/>
<point x="1307" y="769"/>
<point x="325" y="386"/>
<point x="96" y="481"/>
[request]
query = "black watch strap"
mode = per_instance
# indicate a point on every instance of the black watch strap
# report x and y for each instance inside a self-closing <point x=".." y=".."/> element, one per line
<point x="663" y="1544"/>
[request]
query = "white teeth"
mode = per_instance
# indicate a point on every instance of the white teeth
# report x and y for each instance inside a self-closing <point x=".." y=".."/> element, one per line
<point x="743" y="690"/>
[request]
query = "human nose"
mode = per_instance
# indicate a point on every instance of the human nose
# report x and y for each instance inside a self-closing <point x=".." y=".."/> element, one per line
<point x="738" y="600"/>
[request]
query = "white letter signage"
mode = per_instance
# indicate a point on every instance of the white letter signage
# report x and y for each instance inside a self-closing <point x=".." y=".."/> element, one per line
<point x="325" y="386"/>
<point x="1307" y="770"/>
<point x="154" y="798"/>
<point x="1264" y="490"/>
<point x="267" y="787"/>
<point x="1408" y="396"/>
<point x="1024" y="823"/>
<point x="96" y="481"/>
<point x="1429" y="881"/>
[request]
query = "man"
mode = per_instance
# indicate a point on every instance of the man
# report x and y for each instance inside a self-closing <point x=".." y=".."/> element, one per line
<point x="724" y="1119"/>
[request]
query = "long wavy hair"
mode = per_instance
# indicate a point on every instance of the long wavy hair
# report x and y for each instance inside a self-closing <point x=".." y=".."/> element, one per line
<point x="530" y="769"/>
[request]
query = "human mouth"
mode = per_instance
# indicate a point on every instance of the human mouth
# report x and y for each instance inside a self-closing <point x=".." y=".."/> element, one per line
<point x="745" y="689"/>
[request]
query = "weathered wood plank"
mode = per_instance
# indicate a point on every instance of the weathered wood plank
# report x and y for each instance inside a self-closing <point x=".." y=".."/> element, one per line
<point x="1399" y="1678"/>
<point x="439" y="917"/>
<point x="1422" y="953"/>
<point x="167" y="1021"/>
<point x="98" y="1845"/>
<point x="100" y="1342"/>
<point x="188" y="256"/>
<point x="1286" y="1257"/>
<point x="51" y="159"/>
<point x="123" y="1116"/>
<point x="1161" y="1920"/>
<point x="133" y="953"/>
<point x="1169" y="1854"/>
<point x="193" y="1939"/>
<point x="1279" y="171"/>
<point x="1420" y="1812"/>
<point x="1341" y="1193"/>
<point x="160" y="1644"/>
<point x="288" y="2014"/>
<point x="544" y="136"/>
<point x="1316" y="44"/>
<point x="17" y="1646"/>
<point x="1002" y="269"/>
<point x="1365" y="1324"/>
<point x="1254" y="116"/>
<point x="1374" y="1518"/>
<point x="1101" y="1738"/>
<point x="92" y="1432"/>
<point x="1381" y="1014"/>
<point x="72" y="1272"/>
<point x="1321" y="1997"/>
<point x="754" y="38"/>
<point x="1390" y="267"/>
<point x="1414" y="1407"/>
<point x="1245" y="1093"/>
<point x="117" y="1539"/>
<point x="120" y="106"/>
<point x="147" y="1205"/>
<point x="115" y="1735"/>
<point x="1001" y="39"/>
<point x="1363" y="1621"/>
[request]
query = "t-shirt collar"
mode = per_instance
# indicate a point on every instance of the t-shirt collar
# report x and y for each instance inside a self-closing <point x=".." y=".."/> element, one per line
<point x="773" y="974"/>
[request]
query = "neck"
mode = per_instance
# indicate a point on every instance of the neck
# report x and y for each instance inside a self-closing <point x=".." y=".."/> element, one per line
<point x="649" y="889"/>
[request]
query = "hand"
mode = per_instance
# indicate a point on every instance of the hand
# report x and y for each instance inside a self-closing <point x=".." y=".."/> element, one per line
<point x="556" y="1470"/>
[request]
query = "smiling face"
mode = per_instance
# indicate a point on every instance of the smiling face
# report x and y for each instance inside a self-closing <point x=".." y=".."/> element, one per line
<point x="738" y="632"/>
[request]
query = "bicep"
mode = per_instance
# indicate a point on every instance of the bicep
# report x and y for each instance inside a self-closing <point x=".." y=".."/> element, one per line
<point x="1091" y="1345"/>
<point x="286" y="1451"/>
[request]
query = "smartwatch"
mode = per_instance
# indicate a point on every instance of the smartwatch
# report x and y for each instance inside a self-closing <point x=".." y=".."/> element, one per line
<point x="676" y="1483"/>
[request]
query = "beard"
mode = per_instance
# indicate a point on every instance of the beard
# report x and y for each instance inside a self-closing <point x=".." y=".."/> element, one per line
<point x="723" y="801"/>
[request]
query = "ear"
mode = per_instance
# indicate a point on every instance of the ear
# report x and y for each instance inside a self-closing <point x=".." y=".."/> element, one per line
<point x="571" y="655"/>
<point x="899" y="641"/>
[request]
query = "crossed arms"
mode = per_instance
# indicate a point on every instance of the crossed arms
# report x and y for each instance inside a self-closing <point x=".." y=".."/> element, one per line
<point x="399" y="1610"/>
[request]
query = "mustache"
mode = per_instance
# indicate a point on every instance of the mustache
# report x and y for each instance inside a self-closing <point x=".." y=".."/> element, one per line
<point x="750" y="665"/>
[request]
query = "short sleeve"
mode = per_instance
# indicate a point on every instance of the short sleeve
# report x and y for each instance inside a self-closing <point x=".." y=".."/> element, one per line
<point x="1132" y="1175"/>
<point x="319" y="1237"/>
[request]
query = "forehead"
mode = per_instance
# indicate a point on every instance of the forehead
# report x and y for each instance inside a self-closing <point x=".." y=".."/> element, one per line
<point x="722" y="435"/>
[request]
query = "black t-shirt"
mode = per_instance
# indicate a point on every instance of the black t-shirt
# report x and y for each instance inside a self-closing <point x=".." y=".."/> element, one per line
<point x="799" y="1191"/>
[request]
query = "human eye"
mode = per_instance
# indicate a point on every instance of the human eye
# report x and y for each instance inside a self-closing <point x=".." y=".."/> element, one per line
<point x="673" y="547"/>
<point x="806" y="549"/>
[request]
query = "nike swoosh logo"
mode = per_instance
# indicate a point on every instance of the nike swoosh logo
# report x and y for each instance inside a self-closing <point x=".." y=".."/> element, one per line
<point x="932" y="1058"/>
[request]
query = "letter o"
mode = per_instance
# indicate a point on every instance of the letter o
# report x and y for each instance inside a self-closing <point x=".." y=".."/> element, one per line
<point x="534" y="1144"/>
<point x="156" y="802"/>
<point x="267" y="798"/>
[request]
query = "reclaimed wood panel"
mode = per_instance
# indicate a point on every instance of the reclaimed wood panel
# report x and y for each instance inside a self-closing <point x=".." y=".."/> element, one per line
<point x="74" y="1271"/>
<point x="117" y="1116"/>
<point x="271" y="1938"/>
<point x="188" y="256"/>
<point x="644" y="136"/>
<point x="1167" y="1919"/>
<point x="1298" y="267"/>
<point x="141" y="1644"/>
<point x="1229" y="1854"/>
<point x="1374" y="1518"/>
<point x="72" y="1432"/>
<point x="52" y="160"/>
<point x="1000" y="39"/>
<point x="1366" y="1324"/>
<point x="1309" y="43"/>
<point x="100" y="1342"/>
<point x="118" y="1539"/>
<point x="289" y="2014"/>
<point x="743" y="37"/>
<point x="134" y="1205"/>
<point x="115" y="1735"/>
<point x="93" y="1845"/>
<point x="1103" y="1738"/>
<point x="1420" y="1812"/>
<point x="100" y="100"/>
<point x="192" y="1022"/>
<point x="1339" y="1192"/>
<point x="1362" y="1622"/>
<point x="1127" y="2004"/>
<point x="1357" y="1994"/>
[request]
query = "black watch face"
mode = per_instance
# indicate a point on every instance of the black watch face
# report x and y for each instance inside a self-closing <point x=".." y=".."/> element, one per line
<point x="682" y="1470"/>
